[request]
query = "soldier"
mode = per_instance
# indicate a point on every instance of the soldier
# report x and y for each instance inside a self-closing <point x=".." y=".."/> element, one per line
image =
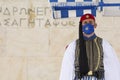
<point x="89" y="57"/>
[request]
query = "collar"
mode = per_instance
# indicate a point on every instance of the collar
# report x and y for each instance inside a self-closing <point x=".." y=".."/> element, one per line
<point x="90" y="38"/>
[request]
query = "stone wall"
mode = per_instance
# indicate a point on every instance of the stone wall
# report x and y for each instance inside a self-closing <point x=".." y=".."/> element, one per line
<point x="32" y="43"/>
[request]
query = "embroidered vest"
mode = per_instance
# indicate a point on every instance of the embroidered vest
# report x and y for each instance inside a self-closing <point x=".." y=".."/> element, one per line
<point x="94" y="52"/>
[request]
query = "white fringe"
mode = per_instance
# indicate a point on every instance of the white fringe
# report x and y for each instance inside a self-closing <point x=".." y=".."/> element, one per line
<point x="89" y="78"/>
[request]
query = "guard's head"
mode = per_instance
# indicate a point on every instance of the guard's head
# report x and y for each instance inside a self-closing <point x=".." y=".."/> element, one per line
<point x="88" y="19"/>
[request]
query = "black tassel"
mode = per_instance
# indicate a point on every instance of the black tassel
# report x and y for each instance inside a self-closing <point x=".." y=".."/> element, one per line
<point x="83" y="60"/>
<point x="99" y="74"/>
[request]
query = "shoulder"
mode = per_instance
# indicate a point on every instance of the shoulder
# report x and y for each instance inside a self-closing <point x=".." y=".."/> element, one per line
<point x="71" y="44"/>
<point x="105" y="42"/>
<point x="107" y="47"/>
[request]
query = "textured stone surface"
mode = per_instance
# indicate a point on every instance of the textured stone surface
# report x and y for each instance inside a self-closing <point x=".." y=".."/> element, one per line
<point x="59" y="39"/>
<point x="34" y="51"/>
<point x="46" y="68"/>
<point x="27" y="42"/>
<point x="13" y="68"/>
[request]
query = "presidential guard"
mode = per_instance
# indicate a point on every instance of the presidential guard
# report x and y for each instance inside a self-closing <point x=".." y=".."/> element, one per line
<point x="89" y="57"/>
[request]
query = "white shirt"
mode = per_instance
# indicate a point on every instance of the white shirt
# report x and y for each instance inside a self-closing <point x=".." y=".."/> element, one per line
<point x="110" y="60"/>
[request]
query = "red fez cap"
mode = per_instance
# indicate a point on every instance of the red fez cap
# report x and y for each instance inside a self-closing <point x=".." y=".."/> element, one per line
<point x="87" y="16"/>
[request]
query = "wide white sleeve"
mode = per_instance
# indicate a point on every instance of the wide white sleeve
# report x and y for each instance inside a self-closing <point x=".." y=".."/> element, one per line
<point x="67" y="68"/>
<point x="111" y="62"/>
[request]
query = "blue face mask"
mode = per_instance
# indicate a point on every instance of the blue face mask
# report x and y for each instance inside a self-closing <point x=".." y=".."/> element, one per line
<point x="88" y="28"/>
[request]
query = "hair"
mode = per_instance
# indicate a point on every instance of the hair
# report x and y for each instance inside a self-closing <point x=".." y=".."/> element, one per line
<point x="83" y="60"/>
